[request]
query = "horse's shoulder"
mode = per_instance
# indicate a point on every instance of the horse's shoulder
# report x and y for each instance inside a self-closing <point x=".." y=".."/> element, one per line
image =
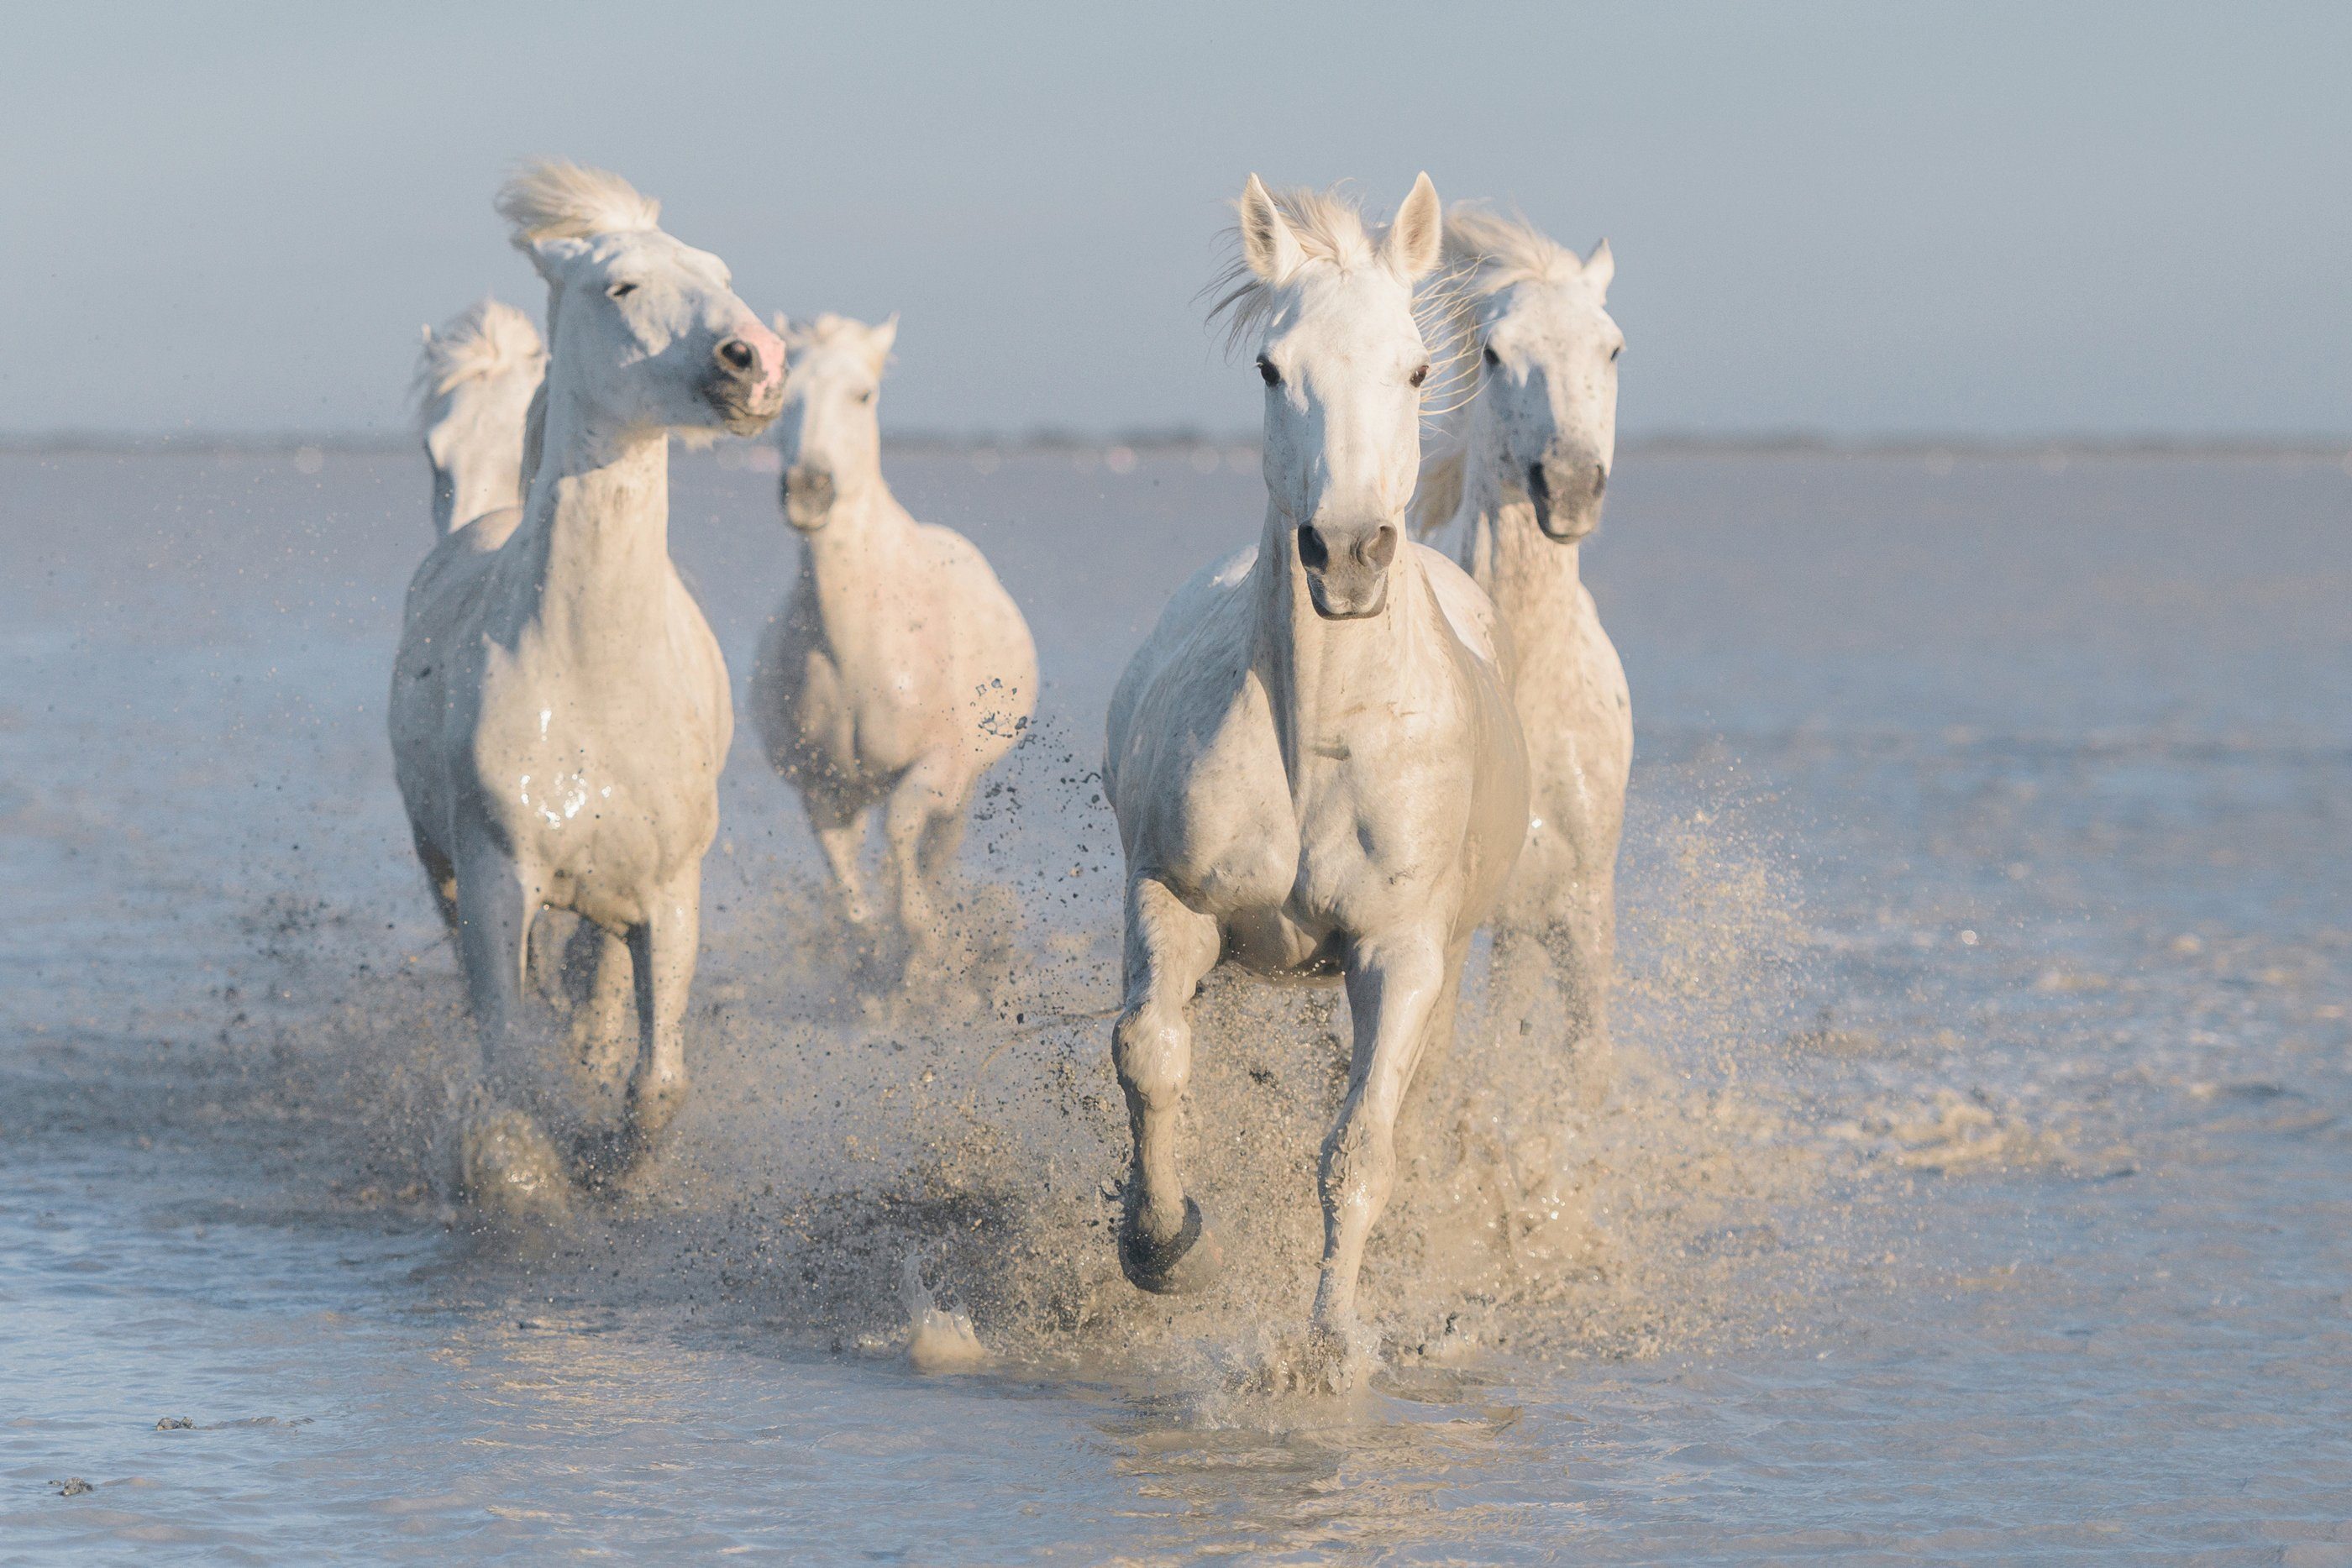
<point x="1464" y="605"/>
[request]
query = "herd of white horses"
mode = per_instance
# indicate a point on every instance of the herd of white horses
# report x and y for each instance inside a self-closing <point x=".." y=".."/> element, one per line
<point x="1340" y="753"/>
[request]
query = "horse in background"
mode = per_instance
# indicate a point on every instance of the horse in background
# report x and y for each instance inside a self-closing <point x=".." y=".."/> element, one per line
<point x="475" y="381"/>
<point x="898" y="670"/>
<point x="1514" y="483"/>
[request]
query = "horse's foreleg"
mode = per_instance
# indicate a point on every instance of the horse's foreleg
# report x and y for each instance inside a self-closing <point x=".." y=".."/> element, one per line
<point x="840" y="832"/>
<point x="924" y="792"/>
<point x="503" y="1159"/>
<point x="1395" y="992"/>
<point x="662" y="955"/>
<point x="605" y="1033"/>
<point x="1170" y="947"/>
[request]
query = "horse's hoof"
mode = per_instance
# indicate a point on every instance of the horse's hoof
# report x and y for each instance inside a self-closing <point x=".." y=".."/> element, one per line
<point x="1185" y="1263"/>
<point x="508" y="1168"/>
<point x="653" y="1106"/>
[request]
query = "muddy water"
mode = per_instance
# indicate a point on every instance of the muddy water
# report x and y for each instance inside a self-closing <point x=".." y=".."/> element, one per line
<point x="1970" y="1179"/>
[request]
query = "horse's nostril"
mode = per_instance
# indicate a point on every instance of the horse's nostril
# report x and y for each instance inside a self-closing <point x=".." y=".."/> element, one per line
<point x="1312" y="551"/>
<point x="1381" y="547"/>
<point x="1539" y="487"/>
<point x="736" y="354"/>
<point x="1600" y="479"/>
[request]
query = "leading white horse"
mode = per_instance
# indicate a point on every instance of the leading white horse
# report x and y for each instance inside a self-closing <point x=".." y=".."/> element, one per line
<point x="899" y="670"/>
<point x="1517" y="476"/>
<point x="1313" y="758"/>
<point x="475" y="381"/>
<point x="560" y="710"/>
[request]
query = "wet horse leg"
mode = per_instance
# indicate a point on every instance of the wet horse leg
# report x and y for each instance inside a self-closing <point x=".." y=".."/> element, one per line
<point x="1170" y="949"/>
<point x="1394" y="993"/>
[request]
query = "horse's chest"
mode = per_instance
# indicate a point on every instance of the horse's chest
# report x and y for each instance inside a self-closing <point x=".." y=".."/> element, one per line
<point x="602" y="779"/>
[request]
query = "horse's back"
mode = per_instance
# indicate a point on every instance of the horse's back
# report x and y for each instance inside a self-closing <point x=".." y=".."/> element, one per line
<point x="1192" y="613"/>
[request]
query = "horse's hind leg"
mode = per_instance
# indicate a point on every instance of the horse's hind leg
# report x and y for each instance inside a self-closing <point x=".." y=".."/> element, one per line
<point x="1395" y="993"/>
<point x="1170" y="947"/>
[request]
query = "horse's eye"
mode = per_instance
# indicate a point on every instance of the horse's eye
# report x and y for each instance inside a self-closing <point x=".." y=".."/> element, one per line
<point x="621" y="290"/>
<point x="1419" y="376"/>
<point x="1266" y="369"/>
<point x="1494" y="360"/>
<point x="865" y="396"/>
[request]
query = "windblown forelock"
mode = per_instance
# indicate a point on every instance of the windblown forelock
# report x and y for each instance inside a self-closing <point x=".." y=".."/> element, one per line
<point x="551" y="198"/>
<point x="1330" y="229"/>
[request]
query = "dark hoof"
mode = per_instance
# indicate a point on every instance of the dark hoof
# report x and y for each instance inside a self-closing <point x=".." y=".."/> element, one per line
<point x="1176" y="1266"/>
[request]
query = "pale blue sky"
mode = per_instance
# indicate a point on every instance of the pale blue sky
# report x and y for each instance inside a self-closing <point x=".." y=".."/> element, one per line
<point x="1857" y="219"/>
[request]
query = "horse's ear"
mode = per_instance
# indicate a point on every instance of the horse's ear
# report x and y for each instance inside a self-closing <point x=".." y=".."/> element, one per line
<point x="1600" y="267"/>
<point x="880" y="338"/>
<point x="1268" y="246"/>
<point x="426" y="328"/>
<point x="1417" y="233"/>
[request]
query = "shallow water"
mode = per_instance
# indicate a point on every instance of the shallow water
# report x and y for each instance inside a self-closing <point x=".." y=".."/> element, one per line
<point x="1971" y="1181"/>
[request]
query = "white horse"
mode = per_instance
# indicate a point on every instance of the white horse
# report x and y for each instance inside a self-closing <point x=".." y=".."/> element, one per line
<point x="1313" y="759"/>
<point x="475" y="381"/>
<point x="898" y="670"/>
<point x="1517" y="474"/>
<point x="559" y="707"/>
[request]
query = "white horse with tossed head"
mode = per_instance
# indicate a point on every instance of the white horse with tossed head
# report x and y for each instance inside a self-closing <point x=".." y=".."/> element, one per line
<point x="560" y="710"/>
<point x="1517" y="475"/>
<point x="898" y="670"/>
<point x="1313" y="758"/>
<point x="475" y="381"/>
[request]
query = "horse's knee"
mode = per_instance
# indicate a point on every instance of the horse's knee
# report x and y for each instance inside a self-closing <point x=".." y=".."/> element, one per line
<point x="1152" y="1053"/>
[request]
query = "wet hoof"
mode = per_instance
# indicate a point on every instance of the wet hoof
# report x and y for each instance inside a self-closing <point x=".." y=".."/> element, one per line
<point x="1184" y="1264"/>
<point x="608" y="1155"/>
<point x="508" y="1168"/>
<point x="1324" y="1362"/>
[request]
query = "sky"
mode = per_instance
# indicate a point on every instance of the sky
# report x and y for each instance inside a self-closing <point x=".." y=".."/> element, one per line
<point x="1993" y="220"/>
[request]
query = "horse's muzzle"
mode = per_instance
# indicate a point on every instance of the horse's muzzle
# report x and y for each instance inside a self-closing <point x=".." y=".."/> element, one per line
<point x="808" y="496"/>
<point x="1347" y="569"/>
<point x="1567" y="497"/>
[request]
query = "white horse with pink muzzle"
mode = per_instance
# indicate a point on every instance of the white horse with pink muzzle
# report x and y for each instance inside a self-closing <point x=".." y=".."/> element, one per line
<point x="1313" y="758"/>
<point x="560" y="710"/>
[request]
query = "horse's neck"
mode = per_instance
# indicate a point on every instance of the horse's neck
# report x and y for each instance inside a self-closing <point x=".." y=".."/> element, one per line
<point x="1320" y="674"/>
<point x="596" y="535"/>
<point x="854" y="556"/>
<point x="483" y="479"/>
<point x="1533" y="580"/>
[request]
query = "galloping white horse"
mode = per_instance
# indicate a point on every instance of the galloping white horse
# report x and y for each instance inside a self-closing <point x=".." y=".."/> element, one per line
<point x="1313" y="758"/>
<point x="559" y="707"/>
<point x="899" y="670"/>
<point x="475" y="381"/>
<point x="1518" y="473"/>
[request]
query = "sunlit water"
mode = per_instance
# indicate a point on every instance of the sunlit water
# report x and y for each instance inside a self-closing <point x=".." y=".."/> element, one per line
<point x="1972" y="1179"/>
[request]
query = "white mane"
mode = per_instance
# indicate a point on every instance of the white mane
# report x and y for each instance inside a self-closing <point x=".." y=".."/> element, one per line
<point x="487" y="339"/>
<point x="552" y="198"/>
<point x="825" y="329"/>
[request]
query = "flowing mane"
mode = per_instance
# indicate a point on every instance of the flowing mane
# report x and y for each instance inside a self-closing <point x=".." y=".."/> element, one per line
<point x="551" y="198"/>
<point x="487" y="339"/>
